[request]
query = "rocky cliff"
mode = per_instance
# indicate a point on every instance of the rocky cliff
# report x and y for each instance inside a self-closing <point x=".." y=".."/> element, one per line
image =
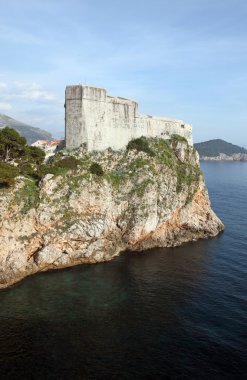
<point x="139" y="200"/>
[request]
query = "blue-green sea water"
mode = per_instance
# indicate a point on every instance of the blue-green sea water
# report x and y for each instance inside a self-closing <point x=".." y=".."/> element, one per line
<point x="177" y="313"/>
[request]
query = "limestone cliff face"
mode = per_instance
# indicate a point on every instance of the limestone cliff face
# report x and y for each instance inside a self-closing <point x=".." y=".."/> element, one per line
<point x="141" y="201"/>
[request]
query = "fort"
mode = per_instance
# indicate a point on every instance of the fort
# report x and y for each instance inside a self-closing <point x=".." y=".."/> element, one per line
<point x="100" y="121"/>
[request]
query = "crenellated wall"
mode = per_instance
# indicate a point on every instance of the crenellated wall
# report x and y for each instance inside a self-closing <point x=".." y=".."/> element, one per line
<point x="102" y="121"/>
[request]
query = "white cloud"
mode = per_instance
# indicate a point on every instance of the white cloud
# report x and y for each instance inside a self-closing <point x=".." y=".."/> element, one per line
<point x="5" y="106"/>
<point x="34" y="95"/>
<point x="27" y="85"/>
<point x="3" y="85"/>
<point x="31" y="91"/>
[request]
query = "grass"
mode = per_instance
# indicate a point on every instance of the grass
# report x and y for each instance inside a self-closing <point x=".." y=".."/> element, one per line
<point x="140" y="189"/>
<point x="138" y="163"/>
<point x="187" y="175"/>
<point x="116" y="179"/>
<point x="176" y="137"/>
<point x="75" y="182"/>
<point x="28" y="195"/>
<point x="163" y="152"/>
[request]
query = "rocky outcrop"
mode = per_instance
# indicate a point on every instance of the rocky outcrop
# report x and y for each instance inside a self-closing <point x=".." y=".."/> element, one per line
<point x="141" y="201"/>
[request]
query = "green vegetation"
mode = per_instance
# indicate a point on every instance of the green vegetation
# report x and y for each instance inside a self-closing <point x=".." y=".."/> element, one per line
<point x="68" y="162"/>
<point x="116" y="179"/>
<point x="12" y="145"/>
<point x="8" y="173"/>
<point x="213" y="148"/>
<point x="141" y="145"/>
<point x="28" y="194"/>
<point x="75" y="181"/>
<point x="14" y="148"/>
<point x="35" y="154"/>
<point x="178" y="138"/>
<point x="16" y="157"/>
<point x="187" y="175"/>
<point x="141" y="188"/>
<point x="96" y="168"/>
<point x="164" y="152"/>
<point x="137" y="164"/>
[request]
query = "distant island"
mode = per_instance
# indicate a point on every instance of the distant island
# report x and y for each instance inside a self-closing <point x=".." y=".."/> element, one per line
<point x="220" y="150"/>
<point x="30" y="133"/>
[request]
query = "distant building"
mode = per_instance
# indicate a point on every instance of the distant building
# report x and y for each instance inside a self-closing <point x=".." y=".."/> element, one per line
<point x="100" y="121"/>
<point x="50" y="147"/>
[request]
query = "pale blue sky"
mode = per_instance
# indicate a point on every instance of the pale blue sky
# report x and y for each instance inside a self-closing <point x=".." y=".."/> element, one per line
<point x="182" y="58"/>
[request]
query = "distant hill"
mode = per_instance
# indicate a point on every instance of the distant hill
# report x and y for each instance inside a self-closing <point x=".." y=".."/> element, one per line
<point x="32" y="134"/>
<point x="213" y="148"/>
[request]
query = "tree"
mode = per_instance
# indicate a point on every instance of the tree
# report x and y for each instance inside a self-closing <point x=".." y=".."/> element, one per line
<point x="26" y="159"/>
<point x="12" y="145"/>
<point x="36" y="154"/>
<point x="8" y="173"/>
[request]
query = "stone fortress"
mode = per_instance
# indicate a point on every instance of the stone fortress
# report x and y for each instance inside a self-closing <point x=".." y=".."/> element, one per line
<point x="100" y="121"/>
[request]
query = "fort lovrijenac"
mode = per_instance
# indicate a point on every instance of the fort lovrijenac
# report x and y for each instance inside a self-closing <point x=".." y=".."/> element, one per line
<point x="101" y="121"/>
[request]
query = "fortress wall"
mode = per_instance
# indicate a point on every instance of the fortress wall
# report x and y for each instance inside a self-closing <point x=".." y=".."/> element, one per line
<point x="102" y="121"/>
<point x="95" y="120"/>
<point x="110" y="122"/>
<point x="75" y="128"/>
<point x="161" y="127"/>
<point x="120" y="122"/>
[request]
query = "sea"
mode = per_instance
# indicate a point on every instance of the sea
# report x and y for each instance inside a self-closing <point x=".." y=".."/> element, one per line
<point x="177" y="313"/>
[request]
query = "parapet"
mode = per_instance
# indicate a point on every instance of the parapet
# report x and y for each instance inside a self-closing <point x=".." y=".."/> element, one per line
<point x="80" y="92"/>
<point x="73" y="92"/>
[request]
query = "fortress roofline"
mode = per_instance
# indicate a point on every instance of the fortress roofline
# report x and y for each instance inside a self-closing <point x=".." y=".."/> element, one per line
<point x="100" y="89"/>
<point x="162" y="118"/>
<point x="85" y="86"/>
<point x="121" y="98"/>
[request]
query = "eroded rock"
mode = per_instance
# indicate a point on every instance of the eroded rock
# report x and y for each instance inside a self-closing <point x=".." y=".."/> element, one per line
<point x="140" y="202"/>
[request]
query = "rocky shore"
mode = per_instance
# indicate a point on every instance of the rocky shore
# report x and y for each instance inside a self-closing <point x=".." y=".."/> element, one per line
<point x="225" y="157"/>
<point x="140" y="200"/>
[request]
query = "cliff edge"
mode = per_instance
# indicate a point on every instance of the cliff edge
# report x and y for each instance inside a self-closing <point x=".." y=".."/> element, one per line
<point x="152" y="194"/>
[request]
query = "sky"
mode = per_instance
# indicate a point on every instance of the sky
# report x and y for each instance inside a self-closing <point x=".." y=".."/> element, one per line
<point x="185" y="59"/>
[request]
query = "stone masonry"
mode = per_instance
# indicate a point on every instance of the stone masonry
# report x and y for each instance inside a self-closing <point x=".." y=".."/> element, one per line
<point x="101" y="121"/>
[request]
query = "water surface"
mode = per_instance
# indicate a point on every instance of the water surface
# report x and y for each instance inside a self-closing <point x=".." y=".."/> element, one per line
<point x="175" y="313"/>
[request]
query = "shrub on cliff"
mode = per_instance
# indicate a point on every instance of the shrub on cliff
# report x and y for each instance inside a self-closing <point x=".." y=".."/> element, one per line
<point x="26" y="169"/>
<point x="141" y="145"/>
<point x="178" y="138"/>
<point x="68" y="162"/>
<point x="35" y="154"/>
<point x="8" y="173"/>
<point x="96" y="168"/>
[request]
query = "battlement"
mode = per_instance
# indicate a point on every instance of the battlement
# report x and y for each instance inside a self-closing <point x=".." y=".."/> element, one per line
<point x="100" y="121"/>
<point x="85" y="92"/>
